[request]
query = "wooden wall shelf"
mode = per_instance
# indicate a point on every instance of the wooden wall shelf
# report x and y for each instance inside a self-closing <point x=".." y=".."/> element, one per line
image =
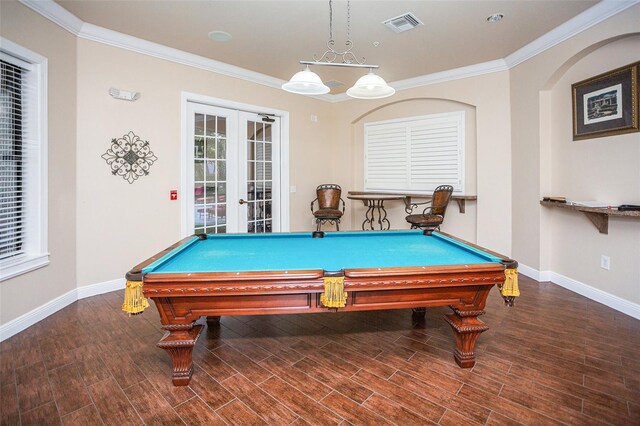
<point x="460" y="199"/>
<point x="598" y="216"/>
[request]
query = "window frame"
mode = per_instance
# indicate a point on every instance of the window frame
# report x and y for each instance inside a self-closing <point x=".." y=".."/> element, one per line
<point x="457" y="118"/>
<point x="35" y="241"/>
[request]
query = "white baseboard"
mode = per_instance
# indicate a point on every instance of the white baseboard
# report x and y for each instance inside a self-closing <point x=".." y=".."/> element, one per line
<point x="100" y="288"/>
<point x="619" y="304"/>
<point x="25" y="321"/>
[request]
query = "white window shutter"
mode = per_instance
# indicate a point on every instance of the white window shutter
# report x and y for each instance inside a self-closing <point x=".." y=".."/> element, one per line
<point x="415" y="154"/>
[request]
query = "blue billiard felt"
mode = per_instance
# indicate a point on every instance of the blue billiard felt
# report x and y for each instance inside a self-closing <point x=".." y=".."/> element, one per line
<point x="334" y="252"/>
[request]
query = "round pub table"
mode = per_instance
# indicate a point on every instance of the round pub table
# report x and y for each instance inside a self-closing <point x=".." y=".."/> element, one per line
<point x="376" y="212"/>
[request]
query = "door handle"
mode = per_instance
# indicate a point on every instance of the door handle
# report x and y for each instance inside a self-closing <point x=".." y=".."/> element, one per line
<point x="242" y="201"/>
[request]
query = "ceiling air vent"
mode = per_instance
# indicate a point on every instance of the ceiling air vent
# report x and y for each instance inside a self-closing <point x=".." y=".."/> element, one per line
<point x="403" y="23"/>
<point x="333" y="83"/>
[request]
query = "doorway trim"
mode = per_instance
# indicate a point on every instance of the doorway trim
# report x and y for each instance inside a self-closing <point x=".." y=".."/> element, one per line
<point x="185" y="98"/>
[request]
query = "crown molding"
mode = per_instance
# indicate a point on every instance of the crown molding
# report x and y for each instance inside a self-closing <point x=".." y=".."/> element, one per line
<point x="587" y="19"/>
<point x="56" y="14"/>
<point x="440" y="77"/>
<point x="65" y="19"/>
<point x="124" y="41"/>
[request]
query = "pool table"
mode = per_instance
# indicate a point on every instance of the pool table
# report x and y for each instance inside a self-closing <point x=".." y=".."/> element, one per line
<point x="256" y="274"/>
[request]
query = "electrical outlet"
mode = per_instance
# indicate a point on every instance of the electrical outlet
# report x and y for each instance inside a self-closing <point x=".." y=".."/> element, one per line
<point x="605" y="262"/>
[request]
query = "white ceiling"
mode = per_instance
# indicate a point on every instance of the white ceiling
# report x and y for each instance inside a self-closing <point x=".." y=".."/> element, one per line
<point x="270" y="37"/>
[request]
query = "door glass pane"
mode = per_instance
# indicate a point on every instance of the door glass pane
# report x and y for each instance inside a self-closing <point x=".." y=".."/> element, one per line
<point x="198" y="193"/>
<point x="251" y="151"/>
<point x="211" y="148"/>
<point x="211" y="171"/>
<point x="198" y="170"/>
<point x="210" y="186"/>
<point x="199" y="125"/>
<point x="221" y="130"/>
<point x="259" y="171"/>
<point x="221" y="215"/>
<point x="267" y="132"/>
<point x="222" y="148"/>
<point x="210" y="125"/>
<point x="222" y="170"/>
<point x="198" y="147"/>
<point x="222" y="192"/>
<point x="267" y="171"/>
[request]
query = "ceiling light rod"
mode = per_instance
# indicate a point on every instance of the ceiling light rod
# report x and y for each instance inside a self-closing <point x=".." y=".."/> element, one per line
<point x="369" y="86"/>
<point x="338" y="64"/>
<point x="330" y="56"/>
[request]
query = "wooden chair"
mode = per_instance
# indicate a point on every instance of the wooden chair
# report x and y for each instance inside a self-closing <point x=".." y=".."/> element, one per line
<point x="328" y="199"/>
<point x="433" y="215"/>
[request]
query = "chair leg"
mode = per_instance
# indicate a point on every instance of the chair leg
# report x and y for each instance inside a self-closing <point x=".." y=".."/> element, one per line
<point x="337" y="224"/>
<point x="318" y="224"/>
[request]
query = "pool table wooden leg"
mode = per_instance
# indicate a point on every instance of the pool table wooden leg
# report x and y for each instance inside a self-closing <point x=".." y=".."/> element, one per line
<point x="179" y="342"/>
<point x="466" y="328"/>
<point x="418" y="312"/>
<point x="213" y="321"/>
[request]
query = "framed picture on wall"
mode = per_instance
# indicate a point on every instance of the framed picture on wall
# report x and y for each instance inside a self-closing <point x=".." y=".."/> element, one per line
<point x="607" y="104"/>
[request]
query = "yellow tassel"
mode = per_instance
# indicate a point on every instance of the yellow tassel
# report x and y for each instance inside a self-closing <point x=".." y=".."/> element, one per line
<point x="334" y="295"/>
<point x="134" y="300"/>
<point x="510" y="286"/>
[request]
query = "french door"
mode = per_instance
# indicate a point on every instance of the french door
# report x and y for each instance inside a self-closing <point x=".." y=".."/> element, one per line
<point x="233" y="171"/>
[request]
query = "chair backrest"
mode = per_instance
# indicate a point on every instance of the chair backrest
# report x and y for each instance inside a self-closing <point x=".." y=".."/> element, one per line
<point x="329" y="196"/>
<point x="440" y="200"/>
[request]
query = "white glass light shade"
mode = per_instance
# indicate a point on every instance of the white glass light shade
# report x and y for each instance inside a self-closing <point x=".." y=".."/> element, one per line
<point x="306" y="82"/>
<point x="371" y="86"/>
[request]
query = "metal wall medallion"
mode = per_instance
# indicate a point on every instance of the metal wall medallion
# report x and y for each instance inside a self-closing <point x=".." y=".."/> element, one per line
<point x="129" y="157"/>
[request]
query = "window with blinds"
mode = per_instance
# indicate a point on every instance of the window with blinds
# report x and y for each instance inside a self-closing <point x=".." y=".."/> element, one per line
<point x="23" y="211"/>
<point x="415" y="154"/>
<point x="12" y="209"/>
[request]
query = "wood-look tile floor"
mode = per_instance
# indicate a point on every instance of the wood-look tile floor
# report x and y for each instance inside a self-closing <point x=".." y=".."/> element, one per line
<point x="556" y="358"/>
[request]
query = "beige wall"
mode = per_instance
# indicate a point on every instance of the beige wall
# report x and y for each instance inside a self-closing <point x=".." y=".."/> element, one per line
<point x="462" y="225"/>
<point x="546" y="161"/>
<point x="605" y="169"/>
<point x="29" y="291"/>
<point x="488" y="173"/>
<point x="120" y="224"/>
<point x="99" y="225"/>
<point x="530" y="82"/>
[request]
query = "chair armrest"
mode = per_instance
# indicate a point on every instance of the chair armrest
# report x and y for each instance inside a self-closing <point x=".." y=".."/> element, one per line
<point x="410" y="206"/>
<point x="343" y="205"/>
<point x="312" y="205"/>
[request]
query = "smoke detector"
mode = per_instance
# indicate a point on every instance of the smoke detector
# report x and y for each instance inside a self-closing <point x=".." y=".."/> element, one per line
<point x="402" y="23"/>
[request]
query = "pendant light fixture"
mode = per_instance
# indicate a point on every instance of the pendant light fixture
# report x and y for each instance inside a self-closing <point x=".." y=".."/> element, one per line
<point x="369" y="86"/>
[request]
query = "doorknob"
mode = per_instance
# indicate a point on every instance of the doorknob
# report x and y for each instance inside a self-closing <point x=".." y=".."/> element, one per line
<point x="242" y="201"/>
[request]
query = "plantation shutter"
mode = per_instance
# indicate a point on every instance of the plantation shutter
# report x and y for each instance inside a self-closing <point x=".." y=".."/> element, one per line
<point x="415" y="154"/>
<point x="13" y="91"/>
